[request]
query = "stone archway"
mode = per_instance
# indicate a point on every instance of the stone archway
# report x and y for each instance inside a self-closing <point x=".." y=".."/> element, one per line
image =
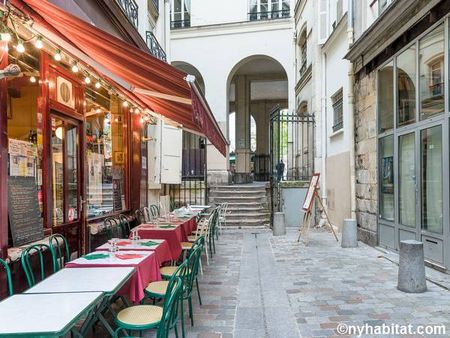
<point x="256" y="85"/>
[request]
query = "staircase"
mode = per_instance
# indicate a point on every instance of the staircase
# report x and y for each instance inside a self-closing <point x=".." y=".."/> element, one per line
<point x="248" y="204"/>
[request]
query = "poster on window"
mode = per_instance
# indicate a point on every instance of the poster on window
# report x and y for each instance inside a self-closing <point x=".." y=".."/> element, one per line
<point x="22" y="158"/>
<point x="95" y="174"/>
<point x="387" y="171"/>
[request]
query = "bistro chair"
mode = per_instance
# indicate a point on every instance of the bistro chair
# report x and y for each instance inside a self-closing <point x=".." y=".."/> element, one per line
<point x="60" y="256"/>
<point x="39" y="249"/>
<point x="124" y="225"/>
<point x="112" y="227"/>
<point x="154" y="210"/>
<point x="140" y="218"/>
<point x="8" y="277"/>
<point x="173" y="205"/>
<point x="144" y="317"/>
<point x="222" y="218"/>
<point x="147" y="215"/>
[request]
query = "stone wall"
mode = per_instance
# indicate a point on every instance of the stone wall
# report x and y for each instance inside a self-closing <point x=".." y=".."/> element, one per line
<point x="366" y="157"/>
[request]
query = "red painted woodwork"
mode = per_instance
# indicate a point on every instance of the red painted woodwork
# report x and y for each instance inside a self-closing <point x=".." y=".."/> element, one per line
<point x="3" y="155"/>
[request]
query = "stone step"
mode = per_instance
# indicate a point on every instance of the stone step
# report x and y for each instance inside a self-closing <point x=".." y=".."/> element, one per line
<point x="246" y="209"/>
<point x="238" y="198"/>
<point x="247" y="222"/>
<point x="241" y="192"/>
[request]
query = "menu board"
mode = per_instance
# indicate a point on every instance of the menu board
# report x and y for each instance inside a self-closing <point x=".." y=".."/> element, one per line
<point x="22" y="158"/>
<point x="23" y="210"/>
<point x="311" y="191"/>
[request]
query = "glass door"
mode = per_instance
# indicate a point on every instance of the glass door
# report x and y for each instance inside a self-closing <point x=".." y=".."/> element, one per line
<point x="66" y="170"/>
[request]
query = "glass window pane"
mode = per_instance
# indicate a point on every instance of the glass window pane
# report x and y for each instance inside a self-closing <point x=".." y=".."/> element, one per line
<point x="386" y="97"/>
<point x="106" y="152"/>
<point x="407" y="180"/>
<point x="72" y="171"/>
<point x="431" y="62"/>
<point x="57" y="139"/>
<point x="431" y="162"/>
<point x="406" y="87"/>
<point x="387" y="178"/>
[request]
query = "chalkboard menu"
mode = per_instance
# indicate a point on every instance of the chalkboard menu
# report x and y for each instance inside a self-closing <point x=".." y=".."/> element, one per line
<point x="23" y="210"/>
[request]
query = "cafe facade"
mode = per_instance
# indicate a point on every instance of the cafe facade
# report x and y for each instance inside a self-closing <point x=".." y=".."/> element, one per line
<point x="74" y="124"/>
<point x="401" y="92"/>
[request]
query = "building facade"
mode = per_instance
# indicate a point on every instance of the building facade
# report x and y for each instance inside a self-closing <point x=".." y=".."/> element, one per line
<point x="400" y="64"/>
<point x="242" y="54"/>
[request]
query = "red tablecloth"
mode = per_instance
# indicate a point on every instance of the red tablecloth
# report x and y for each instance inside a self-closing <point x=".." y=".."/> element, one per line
<point x="162" y="250"/>
<point x="147" y="270"/>
<point x="173" y="236"/>
<point x="188" y="225"/>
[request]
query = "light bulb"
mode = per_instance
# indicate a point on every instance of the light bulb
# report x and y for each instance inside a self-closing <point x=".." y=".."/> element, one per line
<point x="5" y="37"/>
<point x="87" y="80"/>
<point x="38" y="44"/>
<point x="20" y="47"/>
<point x="141" y="120"/>
<point x="98" y="84"/>
<point x="57" y="55"/>
<point x="125" y="103"/>
<point x="32" y="79"/>
<point x="75" y="68"/>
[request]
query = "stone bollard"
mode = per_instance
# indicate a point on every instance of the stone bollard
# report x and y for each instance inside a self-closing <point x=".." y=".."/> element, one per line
<point x="279" y="224"/>
<point x="349" y="234"/>
<point x="411" y="270"/>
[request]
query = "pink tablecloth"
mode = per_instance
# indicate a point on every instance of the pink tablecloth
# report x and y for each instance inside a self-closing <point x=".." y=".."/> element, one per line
<point x="162" y="250"/>
<point x="173" y="236"/>
<point x="147" y="270"/>
<point x="188" y="225"/>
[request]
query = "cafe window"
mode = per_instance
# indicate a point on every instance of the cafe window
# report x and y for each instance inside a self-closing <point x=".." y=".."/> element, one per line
<point x="431" y="62"/>
<point x="385" y="97"/>
<point x="406" y="87"/>
<point x="106" y="153"/>
<point x="24" y="121"/>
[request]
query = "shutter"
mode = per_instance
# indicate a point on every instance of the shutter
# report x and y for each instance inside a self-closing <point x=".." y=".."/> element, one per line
<point x="154" y="155"/>
<point x="323" y="21"/>
<point x="171" y="154"/>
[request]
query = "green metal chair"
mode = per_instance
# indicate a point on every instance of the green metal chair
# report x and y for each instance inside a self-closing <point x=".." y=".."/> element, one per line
<point x="140" y="218"/>
<point x="60" y="256"/>
<point x="112" y="227"/>
<point x="8" y="277"/>
<point x="154" y="210"/>
<point x="125" y="226"/>
<point x="144" y="317"/>
<point x="39" y="249"/>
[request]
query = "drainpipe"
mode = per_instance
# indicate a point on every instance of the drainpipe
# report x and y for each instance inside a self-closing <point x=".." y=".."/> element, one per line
<point x="324" y="130"/>
<point x="351" y="116"/>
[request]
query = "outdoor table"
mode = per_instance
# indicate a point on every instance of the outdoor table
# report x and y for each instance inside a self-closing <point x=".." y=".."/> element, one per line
<point x="161" y="247"/>
<point x="106" y="280"/>
<point x="145" y="263"/>
<point x="199" y="208"/>
<point x="188" y="224"/>
<point x="45" y="314"/>
<point x="173" y="234"/>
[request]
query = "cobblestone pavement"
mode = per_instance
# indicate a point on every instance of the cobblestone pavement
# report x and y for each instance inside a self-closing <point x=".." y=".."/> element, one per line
<point x="263" y="286"/>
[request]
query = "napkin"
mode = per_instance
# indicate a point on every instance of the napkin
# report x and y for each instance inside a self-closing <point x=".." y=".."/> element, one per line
<point x="167" y="227"/>
<point x="96" y="256"/>
<point x="149" y="243"/>
<point x="123" y="243"/>
<point x="128" y="256"/>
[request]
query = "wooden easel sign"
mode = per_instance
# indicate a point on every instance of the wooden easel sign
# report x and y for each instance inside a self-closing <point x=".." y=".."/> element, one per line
<point x="311" y="196"/>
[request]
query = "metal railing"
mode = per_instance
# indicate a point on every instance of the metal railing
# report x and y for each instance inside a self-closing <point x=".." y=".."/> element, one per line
<point x="155" y="48"/>
<point x="156" y="5"/>
<point x="176" y="24"/>
<point x="130" y="9"/>
<point x="269" y="15"/>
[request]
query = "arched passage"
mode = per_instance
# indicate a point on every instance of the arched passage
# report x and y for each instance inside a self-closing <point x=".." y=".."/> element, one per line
<point x="256" y="85"/>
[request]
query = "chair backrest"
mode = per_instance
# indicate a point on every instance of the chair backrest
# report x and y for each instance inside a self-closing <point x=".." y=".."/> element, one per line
<point x="193" y="262"/>
<point x="60" y="256"/>
<point x="147" y="214"/>
<point x="171" y="313"/>
<point x="8" y="276"/>
<point x="154" y="210"/>
<point x="139" y="216"/>
<point x="112" y="226"/>
<point x="213" y="221"/>
<point x="39" y="249"/>
<point x="125" y="225"/>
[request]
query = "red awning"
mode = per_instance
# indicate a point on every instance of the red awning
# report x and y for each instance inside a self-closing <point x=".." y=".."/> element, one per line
<point x="160" y="86"/>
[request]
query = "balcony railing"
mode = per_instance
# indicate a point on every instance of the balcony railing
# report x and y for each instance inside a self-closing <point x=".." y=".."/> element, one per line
<point x="176" y="24"/>
<point x="269" y="15"/>
<point x="156" y="5"/>
<point x="155" y="48"/>
<point x="130" y="8"/>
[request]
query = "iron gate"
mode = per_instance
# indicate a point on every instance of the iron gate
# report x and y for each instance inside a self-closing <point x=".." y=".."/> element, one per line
<point x="291" y="149"/>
